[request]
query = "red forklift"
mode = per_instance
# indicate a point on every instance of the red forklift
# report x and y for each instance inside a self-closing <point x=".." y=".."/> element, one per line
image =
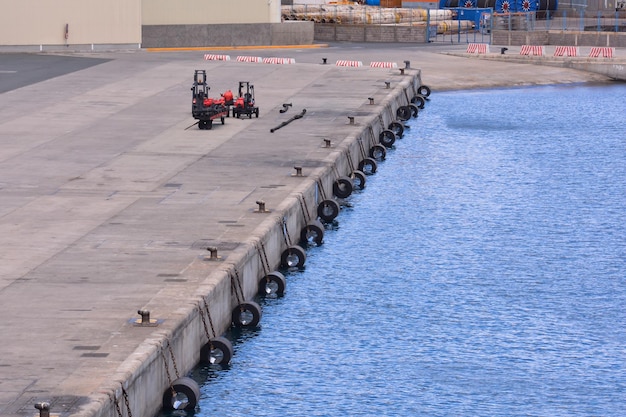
<point x="244" y="104"/>
<point x="206" y="109"/>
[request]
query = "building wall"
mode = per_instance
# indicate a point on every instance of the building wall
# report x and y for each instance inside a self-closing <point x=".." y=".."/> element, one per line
<point x="329" y="32"/>
<point x="225" y="35"/>
<point x="43" y="22"/>
<point x="605" y="39"/>
<point x="190" y="12"/>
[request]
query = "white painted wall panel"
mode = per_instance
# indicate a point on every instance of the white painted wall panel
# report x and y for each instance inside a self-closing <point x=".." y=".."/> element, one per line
<point x="184" y="12"/>
<point x="34" y="22"/>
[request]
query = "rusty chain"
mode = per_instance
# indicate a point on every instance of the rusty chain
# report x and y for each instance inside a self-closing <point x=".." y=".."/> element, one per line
<point x="321" y="187"/>
<point x="125" y="394"/>
<point x="167" y="373"/>
<point x="363" y="154"/>
<point x="266" y="268"/>
<point x="303" y="207"/>
<point x="286" y="232"/>
<point x="373" y="135"/>
<point x="206" y="329"/>
<point x="350" y="164"/>
<point x="117" y="406"/>
<point x="169" y="346"/>
<point x="236" y="286"/>
<point x="208" y="314"/>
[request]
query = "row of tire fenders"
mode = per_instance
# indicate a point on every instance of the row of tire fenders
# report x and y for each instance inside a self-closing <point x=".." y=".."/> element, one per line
<point x="184" y="393"/>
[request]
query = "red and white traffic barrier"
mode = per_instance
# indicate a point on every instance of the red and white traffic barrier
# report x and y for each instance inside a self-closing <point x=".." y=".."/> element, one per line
<point x="604" y="52"/>
<point x="478" y="48"/>
<point x="213" y="57"/>
<point x="536" y="50"/>
<point x="279" y="61"/>
<point x="344" y="63"/>
<point x="566" y="51"/>
<point x="383" y="65"/>
<point x="243" y="58"/>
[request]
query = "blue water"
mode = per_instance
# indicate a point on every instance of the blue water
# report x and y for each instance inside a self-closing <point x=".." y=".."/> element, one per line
<point x="480" y="273"/>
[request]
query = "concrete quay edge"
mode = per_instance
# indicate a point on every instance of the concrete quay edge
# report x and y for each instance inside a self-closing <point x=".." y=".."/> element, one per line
<point x="442" y="72"/>
<point x="141" y="374"/>
<point x="146" y="363"/>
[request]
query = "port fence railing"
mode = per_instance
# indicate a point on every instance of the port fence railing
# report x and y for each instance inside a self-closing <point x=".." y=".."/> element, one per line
<point x="459" y="24"/>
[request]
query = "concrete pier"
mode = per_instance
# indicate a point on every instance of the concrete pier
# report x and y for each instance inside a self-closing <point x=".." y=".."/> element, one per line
<point x="110" y="198"/>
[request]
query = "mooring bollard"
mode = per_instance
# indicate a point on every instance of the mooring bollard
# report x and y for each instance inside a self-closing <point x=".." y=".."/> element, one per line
<point x="44" y="409"/>
<point x="145" y="316"/>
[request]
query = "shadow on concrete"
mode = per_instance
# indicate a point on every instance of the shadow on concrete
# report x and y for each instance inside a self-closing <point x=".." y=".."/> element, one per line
<point x="19" y="70"/>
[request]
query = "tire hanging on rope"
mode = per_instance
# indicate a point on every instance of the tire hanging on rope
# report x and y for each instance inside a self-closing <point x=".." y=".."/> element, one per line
<point x="419" y="101"/>
<point x="218" y="351"/>
<point x="183" y="394"/>
<point x="368" y="166"/>
<point x="358" y="179"/>
<point x="397" y="128"/>
<point x="387" y="138"/>
<point x="328" y="210"/>
<point x="246" y="314"/>
<point x="273" y="284"/>
<point x="403" y="113"/>
<point x="313" y="232"/>
<point x="424" y="90"/>
<point x="414" y="110"/>
<point x="342" y="187"/>
<point x="378" y="152"/>
<point x="293" y="257"/>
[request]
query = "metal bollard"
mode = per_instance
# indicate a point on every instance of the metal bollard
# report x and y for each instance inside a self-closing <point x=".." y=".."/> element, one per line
<point x="44" y="409"/>
<point x="145" y="316"/>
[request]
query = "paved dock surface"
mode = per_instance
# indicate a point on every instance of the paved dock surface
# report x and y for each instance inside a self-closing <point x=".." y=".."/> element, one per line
<point x="109" y="199"/>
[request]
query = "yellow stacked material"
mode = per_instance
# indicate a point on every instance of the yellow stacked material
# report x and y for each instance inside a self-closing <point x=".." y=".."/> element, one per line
<point x="357" y="14"/>
<point x="453" y="26"/>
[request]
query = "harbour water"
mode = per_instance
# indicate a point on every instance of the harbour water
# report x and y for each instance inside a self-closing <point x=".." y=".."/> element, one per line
<point x="482" y="272"/>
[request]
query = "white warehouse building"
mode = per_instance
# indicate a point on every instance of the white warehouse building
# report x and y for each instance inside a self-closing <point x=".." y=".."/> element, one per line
<point x="36" y="25"/>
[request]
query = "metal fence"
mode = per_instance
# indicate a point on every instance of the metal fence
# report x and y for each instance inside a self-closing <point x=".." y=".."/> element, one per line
<point x="563" y="20"/>
<point x="461" y="24"/>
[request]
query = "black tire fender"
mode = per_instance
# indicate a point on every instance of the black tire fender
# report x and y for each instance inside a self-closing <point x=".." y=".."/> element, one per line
<point x="312" y="232"/>
<point x="273" y="283"/>
<point x="187" y="395"/>
<point x="403" y="113"/>
<point x="293" y="257"/>
<point x="423" y="90"/>
<point x="419" y="101"/>
<point x="368" y="166"/>
<point x="247" y="314"/>
<point x="387" y="138"/>
<point x="218" y="351"/>
<point x="397" y="128"/>
<point x="358" y="179"/>
<point x="378" y="152"/>
<point x="414" y="110"/>
<point x="343" y="187"/>
<point x="328" y="210"/>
